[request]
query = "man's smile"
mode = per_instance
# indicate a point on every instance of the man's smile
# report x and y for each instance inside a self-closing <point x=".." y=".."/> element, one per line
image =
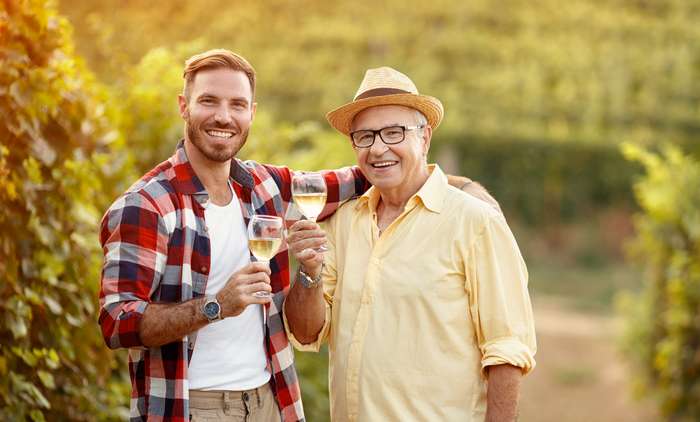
<point x="219" y="134"/>
<point x="383" y="164"/>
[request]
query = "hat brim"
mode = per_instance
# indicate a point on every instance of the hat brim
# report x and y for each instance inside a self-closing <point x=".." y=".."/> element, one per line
<point x="341" y="118"/>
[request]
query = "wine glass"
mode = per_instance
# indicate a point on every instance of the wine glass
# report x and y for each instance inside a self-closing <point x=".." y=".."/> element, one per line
<point x="309" y="193"/>
<point x="265" y="239"/>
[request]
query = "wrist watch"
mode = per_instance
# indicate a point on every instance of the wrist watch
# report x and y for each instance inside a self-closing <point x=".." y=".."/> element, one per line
<point x="307" y="281"/>
<point x="211" y="309"/>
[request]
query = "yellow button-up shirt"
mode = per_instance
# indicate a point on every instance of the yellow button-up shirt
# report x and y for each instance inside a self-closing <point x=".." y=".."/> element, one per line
<point x="415" y="314"/>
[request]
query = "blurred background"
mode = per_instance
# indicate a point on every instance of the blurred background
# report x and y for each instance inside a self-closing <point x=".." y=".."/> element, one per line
<point x="581" y="117"/>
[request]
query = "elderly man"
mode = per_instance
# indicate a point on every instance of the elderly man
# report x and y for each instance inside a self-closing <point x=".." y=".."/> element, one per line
<point x="422" y="294"/>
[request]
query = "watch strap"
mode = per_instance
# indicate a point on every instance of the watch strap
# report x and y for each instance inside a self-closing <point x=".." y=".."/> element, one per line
<point x="306" y="280"/>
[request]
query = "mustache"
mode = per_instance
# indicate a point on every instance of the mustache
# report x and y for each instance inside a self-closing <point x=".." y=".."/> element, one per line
<point x="230" y="127"/>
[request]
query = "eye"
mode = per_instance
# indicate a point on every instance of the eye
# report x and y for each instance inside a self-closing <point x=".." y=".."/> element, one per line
<point x="392" y="132"/>
<point x="365" y="137"/>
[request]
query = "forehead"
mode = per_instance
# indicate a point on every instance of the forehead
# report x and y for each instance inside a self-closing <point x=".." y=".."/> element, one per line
<point x="221" y="82"/>
<point x="381" y="116"/>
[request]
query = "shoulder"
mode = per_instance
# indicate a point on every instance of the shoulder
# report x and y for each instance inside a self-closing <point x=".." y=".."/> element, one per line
<point x="152" y="192"/>
<point x="469" y="208"/>
<point x="266" y="173"/>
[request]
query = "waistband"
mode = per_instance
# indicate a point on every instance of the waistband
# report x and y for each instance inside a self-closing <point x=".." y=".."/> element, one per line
<point x="214" y="399"/>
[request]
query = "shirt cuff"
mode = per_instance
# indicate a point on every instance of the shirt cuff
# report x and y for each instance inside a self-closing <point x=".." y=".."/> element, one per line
<point x="120" y="324"/>
<point x="314" y="346"/>
<point x="507" y="350"/>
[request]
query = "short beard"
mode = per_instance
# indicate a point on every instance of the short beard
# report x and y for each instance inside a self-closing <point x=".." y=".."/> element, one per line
<point x="218" y="155"/>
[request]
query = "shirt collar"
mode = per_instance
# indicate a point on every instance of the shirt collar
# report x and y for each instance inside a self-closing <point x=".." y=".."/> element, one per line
<point x="187" y="182"/>
<point x="431" y="194"/>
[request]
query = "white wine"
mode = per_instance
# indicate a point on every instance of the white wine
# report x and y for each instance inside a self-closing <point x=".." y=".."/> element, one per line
<point x="264" y="248"/>
<point x="310" y="204"/>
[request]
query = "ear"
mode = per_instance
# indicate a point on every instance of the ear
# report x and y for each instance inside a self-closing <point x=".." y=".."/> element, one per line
<point x="427" y="136"/>
<point x="253" y="108"/>
<point x="182" y="104"/>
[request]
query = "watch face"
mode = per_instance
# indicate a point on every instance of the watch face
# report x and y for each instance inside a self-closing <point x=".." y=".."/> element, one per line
<point x="211" y="310"/>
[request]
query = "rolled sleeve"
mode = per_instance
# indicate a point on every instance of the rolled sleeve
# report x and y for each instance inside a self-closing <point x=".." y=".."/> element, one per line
<point x="314" y="346"/>
<point x="328" y="276"/>
<point x="511" y="351"/>
<point x="499" y="300"/>
<point x="134" y="241"/>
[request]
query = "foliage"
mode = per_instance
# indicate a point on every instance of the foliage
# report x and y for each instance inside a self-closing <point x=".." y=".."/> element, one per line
<point x="56" y="177"/>
<point x="596" y="71"/>
<point x="663" y="333"/>
<point x="540" y="182"/>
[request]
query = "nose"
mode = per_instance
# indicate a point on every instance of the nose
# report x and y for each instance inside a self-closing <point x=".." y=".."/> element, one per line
<point x="223" y="116"/>
<point x="378" y="147"/>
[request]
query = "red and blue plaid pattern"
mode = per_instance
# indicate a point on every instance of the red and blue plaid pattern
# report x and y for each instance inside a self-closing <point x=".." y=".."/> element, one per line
<point x="156" y="249"/>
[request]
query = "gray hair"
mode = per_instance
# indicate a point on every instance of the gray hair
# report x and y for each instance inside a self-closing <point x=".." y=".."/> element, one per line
<point x="421" y="120"/>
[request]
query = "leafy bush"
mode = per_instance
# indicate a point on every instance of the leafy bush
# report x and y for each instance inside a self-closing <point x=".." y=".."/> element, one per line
<point x="663" y="331"/>
<point x="542" y="183"/>
<point x="56" y="177"/>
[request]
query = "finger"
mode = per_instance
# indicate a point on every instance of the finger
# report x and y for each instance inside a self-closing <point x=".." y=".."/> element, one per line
<point x="255" y="278"/>
<point x="303" y="225"/>
<point x="300" y="246"/>
<point x="259" y="298"/>
<point x="255" y="267"/>
<point x="311" y="258"/>
<point x="295" y="235"/>
<point x="258" y="287"/>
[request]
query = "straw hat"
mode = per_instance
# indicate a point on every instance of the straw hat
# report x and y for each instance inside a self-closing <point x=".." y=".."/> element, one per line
<point x="385" y="86"/>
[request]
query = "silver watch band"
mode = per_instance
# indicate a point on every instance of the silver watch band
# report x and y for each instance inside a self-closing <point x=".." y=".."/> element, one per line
<point x="306" y="280"/>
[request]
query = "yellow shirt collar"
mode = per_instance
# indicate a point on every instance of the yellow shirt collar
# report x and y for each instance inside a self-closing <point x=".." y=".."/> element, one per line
<point x="431" y="194"/>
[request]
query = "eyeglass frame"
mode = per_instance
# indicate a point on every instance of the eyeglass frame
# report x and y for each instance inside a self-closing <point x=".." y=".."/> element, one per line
<point x="379" y="132"/>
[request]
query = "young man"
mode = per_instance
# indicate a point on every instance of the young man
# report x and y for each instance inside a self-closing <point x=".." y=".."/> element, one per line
<point x="422" y="294"/>
<point x="178" y="283"/>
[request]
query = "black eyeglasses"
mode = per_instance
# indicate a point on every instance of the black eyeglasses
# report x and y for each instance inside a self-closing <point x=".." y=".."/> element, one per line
<point x="389" y="135"/>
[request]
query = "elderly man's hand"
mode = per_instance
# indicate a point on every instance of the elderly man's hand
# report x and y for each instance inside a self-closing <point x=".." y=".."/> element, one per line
<point x="474" y="189"/>
<point x="305" y="238"/>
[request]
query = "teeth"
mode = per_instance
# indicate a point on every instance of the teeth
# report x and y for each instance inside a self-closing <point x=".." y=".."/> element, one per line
<point x="219" y="134"/>
<point x="384" y="164"/>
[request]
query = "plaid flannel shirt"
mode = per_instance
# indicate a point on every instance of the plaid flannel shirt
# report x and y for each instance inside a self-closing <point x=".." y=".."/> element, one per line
<point x="156" y="249"/>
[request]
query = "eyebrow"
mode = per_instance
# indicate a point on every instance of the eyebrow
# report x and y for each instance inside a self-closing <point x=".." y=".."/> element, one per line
<point x="234" y="99"/>
<point x="383" y="127"/>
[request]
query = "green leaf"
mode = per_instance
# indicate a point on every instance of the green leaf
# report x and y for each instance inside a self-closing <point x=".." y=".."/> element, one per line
<point x="46" y="379"/>
<point x="17" y="325"/>
<point x="53" y="305"/>
<point x="52" y="359"/>
<point x="37" y="415"/>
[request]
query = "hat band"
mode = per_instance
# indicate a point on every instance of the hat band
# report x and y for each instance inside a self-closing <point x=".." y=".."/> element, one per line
<point x="379" y="92"/>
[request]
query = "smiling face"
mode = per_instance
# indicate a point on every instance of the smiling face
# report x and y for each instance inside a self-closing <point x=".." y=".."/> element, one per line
<point x="218" y="113"/>
<point x="399" y="169"/>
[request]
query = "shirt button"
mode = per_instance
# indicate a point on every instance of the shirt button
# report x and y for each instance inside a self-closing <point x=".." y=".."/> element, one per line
<point x="204" y="269"/>
<point x="206" y="228"/>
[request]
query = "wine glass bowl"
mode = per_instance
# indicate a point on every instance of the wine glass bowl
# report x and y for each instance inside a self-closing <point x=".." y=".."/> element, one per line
<point x="265" y="234"/>
<point x="309" y="193"/>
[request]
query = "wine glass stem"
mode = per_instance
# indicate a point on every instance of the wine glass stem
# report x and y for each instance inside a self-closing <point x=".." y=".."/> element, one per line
<point x="263" y="293"/>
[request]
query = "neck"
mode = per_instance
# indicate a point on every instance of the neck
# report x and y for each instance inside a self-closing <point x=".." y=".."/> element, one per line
<point x="396" y="198"/>
<point x="213" y="174"/>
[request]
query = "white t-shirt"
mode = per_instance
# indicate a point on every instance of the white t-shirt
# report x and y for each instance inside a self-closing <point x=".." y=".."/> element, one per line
<point x="229" y="354"/>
